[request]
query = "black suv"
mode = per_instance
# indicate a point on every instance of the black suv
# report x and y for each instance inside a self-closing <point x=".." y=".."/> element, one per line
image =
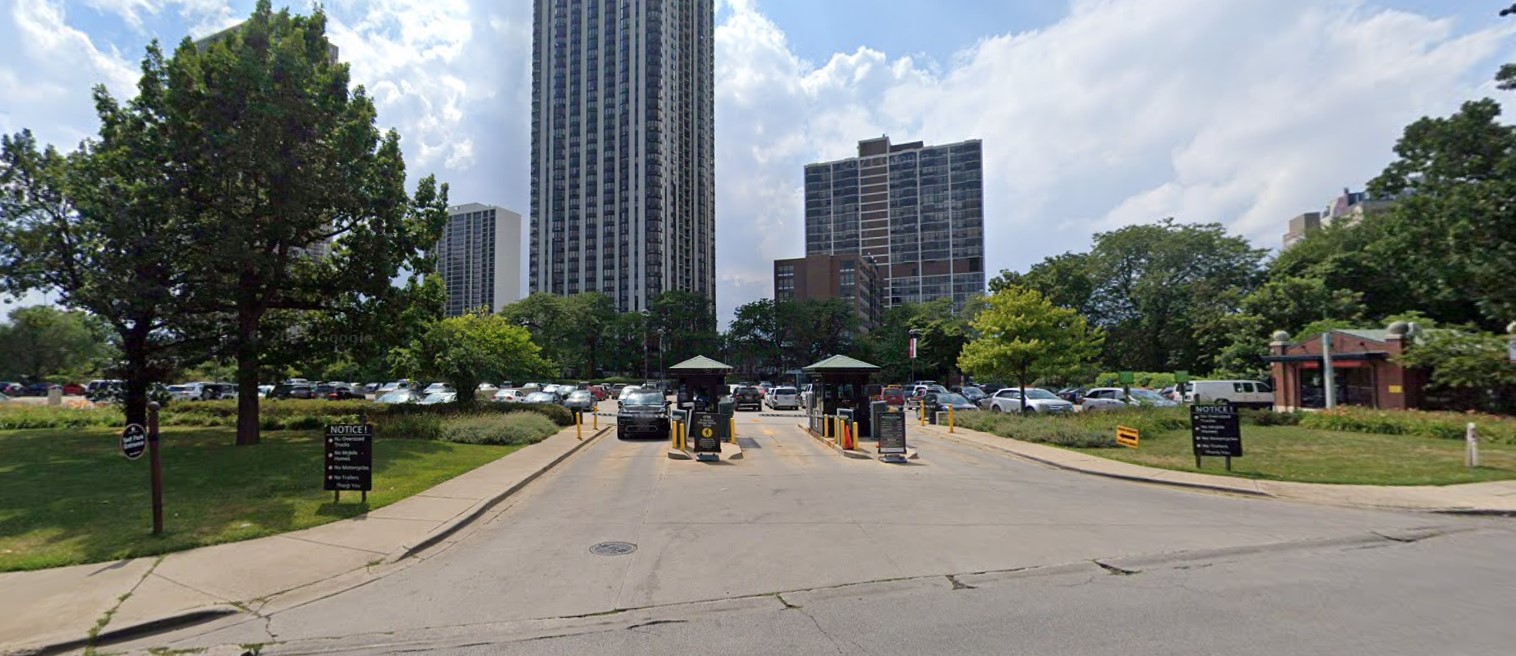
<point x="747" y="396"/>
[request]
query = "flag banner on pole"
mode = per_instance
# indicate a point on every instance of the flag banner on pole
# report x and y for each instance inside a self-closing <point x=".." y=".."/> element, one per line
<point x="913" y="348"/>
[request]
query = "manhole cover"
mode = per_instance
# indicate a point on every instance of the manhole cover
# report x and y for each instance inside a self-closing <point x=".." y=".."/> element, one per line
<point x="613" y="548"/>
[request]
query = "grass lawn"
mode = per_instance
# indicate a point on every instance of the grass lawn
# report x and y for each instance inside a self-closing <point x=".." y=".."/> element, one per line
<point x="1293" y="453"/>
<point x="67" y="496"/>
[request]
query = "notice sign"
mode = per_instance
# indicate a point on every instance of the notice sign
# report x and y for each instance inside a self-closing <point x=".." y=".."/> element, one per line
<point x="709" y="430"/>
<point x="891" y="432"/>
<point x="1216" y="430"/>
<point x="350" y="457"/>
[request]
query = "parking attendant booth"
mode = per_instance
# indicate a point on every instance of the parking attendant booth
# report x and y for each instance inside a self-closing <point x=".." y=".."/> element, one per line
<point x="841" y="383"/>
<point x="700" y="384"/>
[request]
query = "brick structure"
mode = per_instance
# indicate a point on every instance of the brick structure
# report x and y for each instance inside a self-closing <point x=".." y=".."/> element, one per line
<point x="1363" y="364"/>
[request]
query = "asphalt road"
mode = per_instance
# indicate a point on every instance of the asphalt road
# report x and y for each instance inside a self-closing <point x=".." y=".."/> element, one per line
<point x="795" y="549"/>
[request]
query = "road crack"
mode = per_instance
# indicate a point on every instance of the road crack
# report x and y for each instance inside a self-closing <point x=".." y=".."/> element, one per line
<point x="1116" y="571"/>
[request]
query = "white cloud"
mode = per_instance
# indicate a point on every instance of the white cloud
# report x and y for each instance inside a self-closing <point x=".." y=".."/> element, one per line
<point x="1126" y="111"/>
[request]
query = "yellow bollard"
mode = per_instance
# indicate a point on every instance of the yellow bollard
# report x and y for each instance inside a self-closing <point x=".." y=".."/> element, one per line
<point x="596" y="419"/>
<point x="922" y="413"/>
<point x="733" y="434"/>
<point x="950" y="419"/>
<point x="579" y="425"/>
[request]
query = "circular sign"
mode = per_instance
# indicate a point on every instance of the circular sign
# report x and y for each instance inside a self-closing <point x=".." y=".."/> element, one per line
<point x="133" y="441"/>
<point x="706" y="432"/>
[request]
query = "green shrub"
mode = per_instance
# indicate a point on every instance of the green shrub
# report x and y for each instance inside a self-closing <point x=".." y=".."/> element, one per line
<point x="1060" y="431"/>
<point x="556" y="413"/>
<point x="1269" y="417"/>
<point x="516" y="428"/>
<point x="1442" y="425"/>
<point x="16" y="416"/>
<point x="409" y="426"/>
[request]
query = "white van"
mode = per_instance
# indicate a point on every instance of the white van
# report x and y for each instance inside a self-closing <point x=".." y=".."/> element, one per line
<point x="1241" y="393"/>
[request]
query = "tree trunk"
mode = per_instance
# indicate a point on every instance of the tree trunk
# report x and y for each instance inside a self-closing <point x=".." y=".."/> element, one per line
<point x="247" y="375"/>
<point x="134" y="348"/>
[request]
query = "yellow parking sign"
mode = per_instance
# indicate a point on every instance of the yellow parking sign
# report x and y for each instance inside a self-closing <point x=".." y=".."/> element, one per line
<point x="1127" y="437"/>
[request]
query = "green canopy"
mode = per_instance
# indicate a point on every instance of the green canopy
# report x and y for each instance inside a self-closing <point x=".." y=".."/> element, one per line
<point x="700" y="364"/>
<point x="840" y="364"/>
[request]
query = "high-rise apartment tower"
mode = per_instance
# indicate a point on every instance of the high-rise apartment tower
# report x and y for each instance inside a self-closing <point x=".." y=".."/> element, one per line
<point x="916" y="210"/>
<point x="479" y="258"/>
<point x="623" y="155"/>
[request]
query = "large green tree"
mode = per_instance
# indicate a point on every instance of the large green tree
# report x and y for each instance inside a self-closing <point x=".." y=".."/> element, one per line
<point x="1452" y="230"/>
<point x="1021" y="337"/>
<point x="1158" y="286"/>
<point x="471" y="349"/>
<point x="42" y="342"/>
<point x="275" y="159"/>
<point x="98" y="227"/>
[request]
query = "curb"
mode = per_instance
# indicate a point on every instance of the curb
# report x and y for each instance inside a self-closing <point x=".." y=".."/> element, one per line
<point x="465" y="520"/>
<point x="1125" y="477"/>
<point x="135" y="631"/>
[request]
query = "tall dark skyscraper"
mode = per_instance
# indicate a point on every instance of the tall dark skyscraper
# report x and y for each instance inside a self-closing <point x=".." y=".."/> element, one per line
<point x="917" y="210"/>
<point x="623" y="154"/>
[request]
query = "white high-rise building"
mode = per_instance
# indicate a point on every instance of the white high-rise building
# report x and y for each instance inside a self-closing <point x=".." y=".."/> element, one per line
<point x="479" y="258"/>
<point x="623" y="154"/>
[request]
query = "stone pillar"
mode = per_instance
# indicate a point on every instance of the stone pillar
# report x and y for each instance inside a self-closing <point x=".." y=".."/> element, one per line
<point x="1286" y="376"/>
<point x="1392" y="384"/>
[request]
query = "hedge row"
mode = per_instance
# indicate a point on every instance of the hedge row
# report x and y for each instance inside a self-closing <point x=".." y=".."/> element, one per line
<point x="1442" y="425"/>
<point x="291" y="414"/>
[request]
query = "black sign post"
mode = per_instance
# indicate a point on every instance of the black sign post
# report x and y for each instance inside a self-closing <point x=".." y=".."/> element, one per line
<point x="349" y="459"/>
<point x="133" y="441"/>
<point x="891" y="431"/>
<point x="709" y="429"/>
<point x="1215" y="430"/>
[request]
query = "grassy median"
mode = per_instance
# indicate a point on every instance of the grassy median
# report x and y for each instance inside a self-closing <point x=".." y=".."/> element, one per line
<point x="1283" y="452"/>
<point x="67" y="496"/>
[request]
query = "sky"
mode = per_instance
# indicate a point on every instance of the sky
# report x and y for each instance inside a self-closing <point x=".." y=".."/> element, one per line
<point x="1094" y="114"/>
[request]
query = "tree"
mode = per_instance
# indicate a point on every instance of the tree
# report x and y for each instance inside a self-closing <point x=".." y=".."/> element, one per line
<point x="589" y="315"/>
<point x="1065" y="280"/>
<point x="1156" y="286"/>
<point x="42" y="342"/>
<point x="1472" y="365"/>
<point x="1455" y="179"/>
<point x="97" y="227"/>
<point x="471" y="349"/>
<point x="1023" y="337"/>
<point x="752" y="339"/>
<point x="274" y="160"/>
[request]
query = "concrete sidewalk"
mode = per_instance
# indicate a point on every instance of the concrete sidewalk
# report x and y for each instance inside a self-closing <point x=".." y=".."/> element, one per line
<point x="56" y="610"/>
<point x="1496" y="498"/>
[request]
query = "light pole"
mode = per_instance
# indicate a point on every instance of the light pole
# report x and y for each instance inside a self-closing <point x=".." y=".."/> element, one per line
<point x="661" y="373"/>
<point x="645" y="373"/>
<point x="911" y="351"/>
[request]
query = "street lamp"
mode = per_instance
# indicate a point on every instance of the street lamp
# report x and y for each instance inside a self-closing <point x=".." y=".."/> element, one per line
<point x="645" y="373"/>
<point x="911" y="351"/>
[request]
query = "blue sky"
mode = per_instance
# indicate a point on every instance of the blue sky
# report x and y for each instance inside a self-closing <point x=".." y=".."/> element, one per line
<point x="1094" y="113"/>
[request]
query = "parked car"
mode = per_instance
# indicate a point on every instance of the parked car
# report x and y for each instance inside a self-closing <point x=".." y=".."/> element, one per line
<point x="541" y="397"/>
<point x="643" y="413"/>
<point x="398" y="396"/>
<point x="36" y="389"/>
<point x="747" y="397"/>
<point x="580" y="401"/>
<point x="1113" y="398"/>
<point x="940" y="401"/>
<point x="487" y="389"/>
<point x="1242" y="393"/>
<point x="599" y="392"/>
<point x="439" y="397"/>
<point x="181" y="392"/>
<point x="973" y="394"/>
<point x="783" y="398"/>
<point x="1074" y="395"/>
<point x="266" y="391"/>
<point x="437" y="387"/>
<point x="73" y="389"/>
<point x="11" y="389"/>
<point x="403" y="383"/>
<point x="341" y="392"/>
<point x="892" y="395"/>
<point x="1037" y="400"/>
<point x="508" y="395"/>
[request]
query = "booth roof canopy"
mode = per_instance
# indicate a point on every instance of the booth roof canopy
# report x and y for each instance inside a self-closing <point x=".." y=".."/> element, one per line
<point x="840" y="364"/>
<point x="700" y="363"/>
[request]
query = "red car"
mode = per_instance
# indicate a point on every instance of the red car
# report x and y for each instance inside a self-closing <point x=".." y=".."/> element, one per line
<point x="598" y="392"/>
<point x="892" y="395"/>
<point x="73" y="389"/>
